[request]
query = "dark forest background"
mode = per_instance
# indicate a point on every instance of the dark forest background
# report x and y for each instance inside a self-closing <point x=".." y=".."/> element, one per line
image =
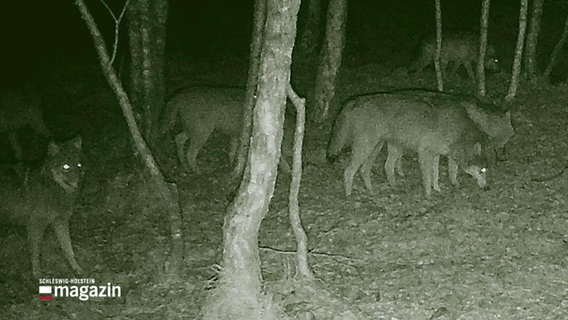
<point x="38" y="37"/>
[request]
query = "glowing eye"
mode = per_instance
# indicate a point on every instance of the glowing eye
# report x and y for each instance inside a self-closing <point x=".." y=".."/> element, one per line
<point x="66" y="167"/>
<point x="483" y="170"/>
<point x="79" y="165"/>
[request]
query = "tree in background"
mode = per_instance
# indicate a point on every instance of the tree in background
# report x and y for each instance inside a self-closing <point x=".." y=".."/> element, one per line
<point x="147" y="35"/>
<point x="483" y="23"/>
<point x="330" y="58"/>
<point x="252" y="81"/>
<point x="310" y="30"/>
<point x="532" y="40"/>
<point x="439" y="75"/>
<point x="515" y="75"/>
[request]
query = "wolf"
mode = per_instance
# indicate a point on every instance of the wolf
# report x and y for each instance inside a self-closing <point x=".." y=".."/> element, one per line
<point x="202" y="110"/>
<point x="38" y="197"/>
<point x="20" y="109"/>
<point x="495" y="121"/>
<point x="408" y="122"/>
<point x="459" y="48"/>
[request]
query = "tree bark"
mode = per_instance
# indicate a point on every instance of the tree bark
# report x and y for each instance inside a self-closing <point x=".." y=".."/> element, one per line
<point x="515" y="76"/>
<point x="330" y="58"/>
<point x="439" y="37"/>
<point x="168" y="192"/>
<point x="532" y="40"/>
<point x="557" y="48"/>
<point x="483" y="23"/>
<point x="252" y="81"/>
<point x="147" y="33"/>
<point x="238" y="291"/>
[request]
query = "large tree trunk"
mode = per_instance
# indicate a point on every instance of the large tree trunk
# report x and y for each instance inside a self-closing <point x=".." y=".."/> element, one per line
<point x="330" y="58"/>
<point x="532" y="40"/>
<point x="515" y="76"/>
<point x="484" y="22"/>
<point x="238" y="292"/>
<point x="254" y="61"/>
<point x="167" y="192"/>
<point x="147" y="34"/>
<point x="310" y="32"/>
<point x="439" y="37"/>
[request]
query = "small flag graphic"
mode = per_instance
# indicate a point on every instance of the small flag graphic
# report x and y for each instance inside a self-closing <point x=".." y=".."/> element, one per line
<point x="45" y="293"/>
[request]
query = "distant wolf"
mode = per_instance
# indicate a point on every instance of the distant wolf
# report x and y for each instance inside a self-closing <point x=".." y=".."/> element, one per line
<point x="408" y="122"/>
<point x="20" y="109"/>
<point x="202" y="110"/>
<point x="45" y="196"/>
<point x="459" y="48"/>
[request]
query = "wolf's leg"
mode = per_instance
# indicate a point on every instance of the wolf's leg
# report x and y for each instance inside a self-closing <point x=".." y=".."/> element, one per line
<point x="233" y="150"/>
<point x="197" y="141"/>
<point x="394" y="155"/>
<point x="453" y="171"/>
<point x="35" y="235"/>
<point x="367" y="166"/>
<point x="436" y="174"/>
<point x="180" y="140"/>
<point x="360" y="151"/>
<point x="62" y="232"/>
<point x="469" y="70"/>
<point x="426" y="160"/>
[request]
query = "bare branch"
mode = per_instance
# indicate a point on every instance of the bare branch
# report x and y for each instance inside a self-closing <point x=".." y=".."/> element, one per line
<point x="116" y="26"/>
<point x="303" y="268"/>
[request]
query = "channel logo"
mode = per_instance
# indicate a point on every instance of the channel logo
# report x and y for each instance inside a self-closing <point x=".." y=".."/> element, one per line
<point x="81" y="292"/>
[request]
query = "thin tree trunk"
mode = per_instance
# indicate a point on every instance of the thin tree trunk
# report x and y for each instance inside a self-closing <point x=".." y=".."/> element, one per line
<point x="532" y="40"/>
<point x="557" y="48"/>
<point x="439" y="37"/>
<point x="147" y="31"/>
<point x="330" y="58"/>
<point x="168" y="192"/>
<point x="515" y="76"/>
<point x="135" y="43"/>
<point x="302" y="267"/>
<point x="254" y="61"/>
<point x="483" y="23"/>
<point x="310" y="35"/>
<point x="238" y="292"/>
